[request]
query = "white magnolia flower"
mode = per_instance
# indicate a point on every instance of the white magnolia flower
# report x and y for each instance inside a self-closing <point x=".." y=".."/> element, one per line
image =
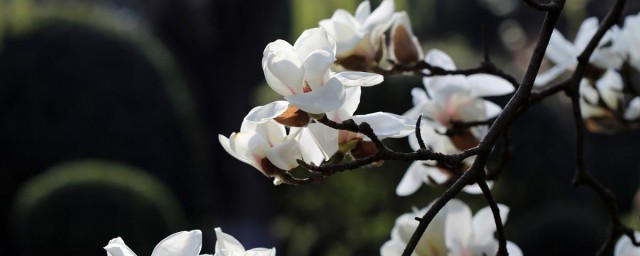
<point x="301" y="72"/>
<point x="608" y="91"/>
<point x="429" y="172"/>
<point x="453" y="232"/>
<point x="185" y="243"/>
<point x="628" y="39"/>
<point x="227" y="245"/>
<point x="457" y="98"/>
<point x="565" y="54"/>
<point x="362" y="35"/>
<point x="404" y="47"/>
<point x="264" y="146"/>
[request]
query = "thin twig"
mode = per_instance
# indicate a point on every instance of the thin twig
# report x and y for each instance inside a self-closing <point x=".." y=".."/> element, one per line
<point x="495" y="210"/>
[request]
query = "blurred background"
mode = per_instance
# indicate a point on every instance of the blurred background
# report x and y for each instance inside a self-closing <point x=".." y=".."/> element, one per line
<point x="110" y="112"/>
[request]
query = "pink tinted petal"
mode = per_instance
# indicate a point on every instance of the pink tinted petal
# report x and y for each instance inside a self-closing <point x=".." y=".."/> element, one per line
<point x="316" y="68"/>
<point x="284" y="72"/>
<point x="325" y="99"/>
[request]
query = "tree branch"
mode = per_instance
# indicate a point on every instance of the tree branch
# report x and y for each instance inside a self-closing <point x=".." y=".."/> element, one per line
<point x="495" y="210"/>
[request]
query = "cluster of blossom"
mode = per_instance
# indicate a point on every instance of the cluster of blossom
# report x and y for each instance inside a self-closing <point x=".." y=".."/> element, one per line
<point x="320" y="77"/>
<point x="608" y="101"/>
<point x="189" y="243"/>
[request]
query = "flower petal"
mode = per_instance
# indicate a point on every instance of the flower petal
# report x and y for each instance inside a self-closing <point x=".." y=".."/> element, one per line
<point x="363" y="11"/>
<point x="380" y="18"/>
<point x="484" y="226"/>
<point x="116" y="247"/>
<point x="514" y="250"/>
<point x="227" y="244"/>
<point x="387" y="125"/>
<point x="586" y="31"/>
<point x="458" y="225"/>
<point x="326" y="138"/>
<point x="561" y="51"/>
<point x="547" y="76"/>
<point x="392" y="248"/>
<point x="352" y="100"/>
<point x="284" y="155"/>
<point x="483" y="85"/>
<point x="264" y="113"/>
<point x="412" y="179"/>
<point x="181" y="243"/>
<point x="353" y="78"/>
<point x="610" y="88"/>
<point x="491" y="109"/>
<point x="312" y="40"/>
<point x="243" y="155"/>
<point x="633" y="110"/>
<point x="325" y="99"/>
<point x="440" y="59"/>
<point x="284" y="72"/>
<point x="316" y="68"/>
<point x="624" y="246"/>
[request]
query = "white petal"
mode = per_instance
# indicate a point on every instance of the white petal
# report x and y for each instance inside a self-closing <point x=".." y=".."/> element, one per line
<point x="270" y="130"/>
<point x="587" y="92"/>
<point x="344" y="29"/>
<point x="484" y="226"/>
<point x="326" y="138"/>
<point x="586" y="31"/>
<point x="492" y="110"/>
<point x="275" y="46"/>
<point x="561" y="51"/>
<point x="387" y="125"/>
<point x="412" y="179"/>
<point x="325" y="99"/>
<point x="624" y="246"/>
<point x="419" y="96"/>
<point x="182" y="243"/>
<point x="353" y="78"/>
<point x="284" y="155"/>
<point x="312" y="40"/>
<point x="458" y="225"/>
<point x="483" y="85"/>
<point x="514" y="250"/>
<point x="380" y="18"/>
<point x="264" y="113"/>
<point x="352" y="100"/>
<point x="440" y="59"/>
<point x="309" y="148"/>
<point x="227" y="243"/>
<point x="633" y="110"/>
<point x="392" y="248"/>
<point x="545" y="77"/>
<point x="474" y="189"/>
<point x="260" y="252"/>
<point x="284" y="72"/>
<point x="363" y="11"/>
<point x="316" y="68"/>
<point x="244" y="155"/>
<point x="116" y="247"/>
<point x="610" y="88"/>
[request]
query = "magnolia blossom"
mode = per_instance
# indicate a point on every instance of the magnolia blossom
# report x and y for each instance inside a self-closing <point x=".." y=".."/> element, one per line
<point x="628" y="39"/>
<point x="633" y="110"/>
<point x="301" y="72"/>
<point x="600" y="100"/>
<point x="404" y="47"/>
<point x="265" y="146"/>
<point x="565" y="54"/>
<point x="359" y="38"/>
<point x="185" y="243"/>
<point x="454" y="98"/>
<point x="453" y="232"/>
<point x="227" y="245"/>
<point x="429" y="172"/>
<point x="625" y="247"/>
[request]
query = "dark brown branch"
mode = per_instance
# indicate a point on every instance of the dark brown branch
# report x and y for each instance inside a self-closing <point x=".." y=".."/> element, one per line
<point x="419" y="134"/>
<point x="495" y="210"/>
<point x="551" y="6"/>
<point x="520" y="98"/>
